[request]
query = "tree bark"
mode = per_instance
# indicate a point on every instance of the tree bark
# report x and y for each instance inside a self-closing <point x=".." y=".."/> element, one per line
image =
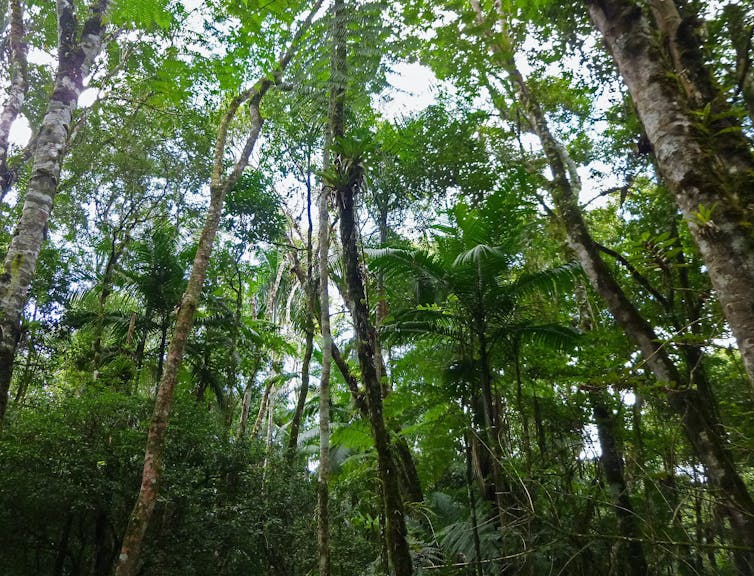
<point x="76" y="52"/>
<point x="311" y="300"/>
<point x="702" y="153"/>
<point x="263" y="404"/>
<point x="631" y="551"/>
<point x="323" y="533"/>
<point x="219" y="186"/>
<point x="699" y="424"/>
<point x="349" y="180"/>
<point x="303" y="392"/>
<point x="16" y="93"/>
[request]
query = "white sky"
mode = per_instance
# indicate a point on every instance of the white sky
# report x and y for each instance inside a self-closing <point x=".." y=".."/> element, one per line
<point x="413" y="87"/>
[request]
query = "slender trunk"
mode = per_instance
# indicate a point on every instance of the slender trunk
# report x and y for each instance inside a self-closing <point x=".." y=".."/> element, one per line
<point x="400" y="557"/>
<point x="106" y="287"/>
<point x="146" y="320"/>
<point x="472" y="505"/>
<point x="303" y="392"/>
<point x="246" y="403"/>
<point x="164" y="326"/>
<point x="219" y="186"/>
<point x="153" y="457"/>
<point x="491" y="425"/>
<point x="630" y="552"/>
<point x="526" y="434"/>
<point x="59" y="566"/>
<point x="131" y="332"/>
<point x="539" y="425"/>
<point x="335" y="123"/>
<point x="704" y="157"/>
<point x="270" y="422"/>
<point x="75" y="56"/>
<point x="263" y="407"/>
<point x="381" y="312"/>
<point x="17" y="92"/>
<point x="233" y="358"/>
<point x="308" y="284"/>
<point x="102" y="552"/>
<point x="345" y="190"/>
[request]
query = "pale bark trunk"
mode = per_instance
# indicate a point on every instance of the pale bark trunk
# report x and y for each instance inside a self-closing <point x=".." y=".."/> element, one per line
<point x="16" y="93"/>
<point x="76" y="53"/>
<point x="335" y="128"/>
<point x="698" y="422"/>
<point x="702" y="154"/>
<point x="153" y="464"/>
<point x="311" y="299"/>
<point x="263" y="407"/>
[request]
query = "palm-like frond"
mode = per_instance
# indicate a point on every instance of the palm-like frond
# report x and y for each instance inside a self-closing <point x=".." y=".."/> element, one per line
<point x="424" y="323"/>
<point x="407" y="263"/>
<point x="555" y="336"/>
<point x="551" y="280"/>
<point x="487" y="260"/>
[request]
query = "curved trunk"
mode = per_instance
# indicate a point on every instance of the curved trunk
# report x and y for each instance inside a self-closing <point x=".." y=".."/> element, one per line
<point x="703" y="155"/>
<point x="219" y="186"/>
<point x="153" y="458"/>
<point x="699" y="424"/>
<point x="76" y="52"/>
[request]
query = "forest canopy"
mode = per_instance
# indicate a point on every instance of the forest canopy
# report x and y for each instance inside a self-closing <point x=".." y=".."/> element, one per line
<point x="357" y="287"/>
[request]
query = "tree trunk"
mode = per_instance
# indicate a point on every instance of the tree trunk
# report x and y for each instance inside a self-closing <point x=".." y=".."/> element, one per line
<point x="311" y="304"/>
<point x="323" y="516"/>
<point x="472" y="505"/>
<point x="703" y="155"/>
<point x="698" y="422"/>
<point x="219" y="186"/>
<point x="400" y="557"/>
<point x="76" y="54"/>
<point x="350" y="179"/>
<point x="263" y="403"/>
<point x="303" y="392"/>
<point x="152" y="473"/>
<point x="233" y="358"/>
<point x="17" y="92"/>
<point x="246" y="401"/>
<point x="631" y="552"/>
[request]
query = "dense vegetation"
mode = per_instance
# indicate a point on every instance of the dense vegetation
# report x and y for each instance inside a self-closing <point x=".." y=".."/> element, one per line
<point x="279" y="324"/>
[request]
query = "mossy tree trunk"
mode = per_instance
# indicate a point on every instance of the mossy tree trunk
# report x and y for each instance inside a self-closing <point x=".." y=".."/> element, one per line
<point x="78" y="46"/>
<point x="699" y="422"/>
<point x="703" y="155"/>
<point x="349" y="175"/>
<point x="17" y="91"/>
